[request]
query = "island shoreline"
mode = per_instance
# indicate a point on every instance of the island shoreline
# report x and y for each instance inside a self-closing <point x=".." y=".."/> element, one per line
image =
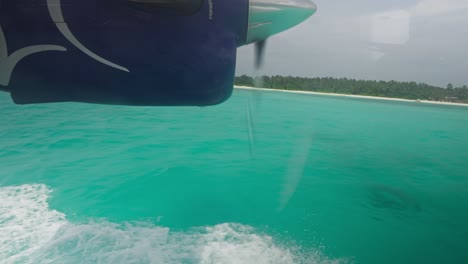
<point x="348" y="95"/>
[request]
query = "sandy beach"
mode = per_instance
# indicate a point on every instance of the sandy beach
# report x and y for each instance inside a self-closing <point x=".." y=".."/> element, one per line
<point x="349" y="95"/>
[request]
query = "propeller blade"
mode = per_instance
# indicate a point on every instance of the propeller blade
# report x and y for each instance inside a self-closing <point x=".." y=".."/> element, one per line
<point x="259" y="53"/>
<point x="250" y="127"/>
<point x="258" y="82"/>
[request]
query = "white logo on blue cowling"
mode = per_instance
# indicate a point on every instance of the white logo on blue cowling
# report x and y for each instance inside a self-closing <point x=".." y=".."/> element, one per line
<point x="8" y="62"/>
<point x="55" y="11"/>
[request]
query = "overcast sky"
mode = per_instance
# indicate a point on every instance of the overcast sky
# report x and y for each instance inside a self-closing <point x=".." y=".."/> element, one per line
<point x="404" y="40"/>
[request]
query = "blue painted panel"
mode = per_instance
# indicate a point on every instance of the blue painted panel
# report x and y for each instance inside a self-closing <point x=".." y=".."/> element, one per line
<point x="171" y="59"/>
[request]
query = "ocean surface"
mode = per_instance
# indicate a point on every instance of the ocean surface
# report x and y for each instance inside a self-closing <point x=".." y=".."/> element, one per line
<point x="267" y="177"/>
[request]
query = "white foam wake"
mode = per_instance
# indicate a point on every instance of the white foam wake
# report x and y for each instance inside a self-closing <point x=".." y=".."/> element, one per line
<point x="26" y="223"/>
<point x="30" y="232"/>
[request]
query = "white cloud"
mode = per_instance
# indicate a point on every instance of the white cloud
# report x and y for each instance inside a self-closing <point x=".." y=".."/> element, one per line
<point x="391" y="27"/>
<point x="438" y="7"/>
<point x="376" y="54"/>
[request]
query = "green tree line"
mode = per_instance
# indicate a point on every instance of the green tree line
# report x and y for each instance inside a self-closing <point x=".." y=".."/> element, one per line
<point x="405" y="90"/>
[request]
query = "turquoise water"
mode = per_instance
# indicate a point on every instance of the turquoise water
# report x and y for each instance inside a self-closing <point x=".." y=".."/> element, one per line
<point x="267" y="177"/>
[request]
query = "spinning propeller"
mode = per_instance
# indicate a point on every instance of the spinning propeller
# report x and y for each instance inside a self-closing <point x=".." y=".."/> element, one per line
<point x="266" y="18"/>
<point x="269" y="17"/>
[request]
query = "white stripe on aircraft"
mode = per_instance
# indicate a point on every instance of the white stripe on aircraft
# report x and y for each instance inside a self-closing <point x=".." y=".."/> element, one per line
<point x="8" y="63"/>
<point x="55" y="11"/>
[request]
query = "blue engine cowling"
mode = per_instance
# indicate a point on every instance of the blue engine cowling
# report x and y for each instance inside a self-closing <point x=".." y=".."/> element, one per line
<point x="123" y="52"/>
